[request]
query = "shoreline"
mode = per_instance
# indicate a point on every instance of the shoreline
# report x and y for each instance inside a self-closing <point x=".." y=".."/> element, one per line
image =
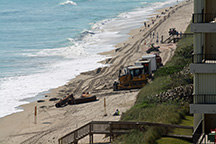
<point x="109" y="54"/>
<point x="47" y="80"/>
<point x="106" y="54"/>
<point x="98" y="82"/>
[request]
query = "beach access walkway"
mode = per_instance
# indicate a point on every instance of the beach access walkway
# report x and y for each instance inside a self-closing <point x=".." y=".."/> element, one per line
<point x="111" y="128"/>
<point x="175" y="38"/>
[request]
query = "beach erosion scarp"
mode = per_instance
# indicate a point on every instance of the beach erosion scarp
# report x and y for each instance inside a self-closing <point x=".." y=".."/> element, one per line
<point x="52" y="123"/>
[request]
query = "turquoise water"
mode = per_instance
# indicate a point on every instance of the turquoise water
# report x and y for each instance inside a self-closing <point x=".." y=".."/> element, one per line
<point x="45" y="43"/>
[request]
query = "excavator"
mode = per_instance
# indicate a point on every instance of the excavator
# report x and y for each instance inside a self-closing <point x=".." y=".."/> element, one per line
<point x="131" y="77"/>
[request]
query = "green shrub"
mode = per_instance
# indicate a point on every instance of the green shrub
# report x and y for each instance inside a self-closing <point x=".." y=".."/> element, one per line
<point x="149" y="108"/>
<point x="135" y="137"/>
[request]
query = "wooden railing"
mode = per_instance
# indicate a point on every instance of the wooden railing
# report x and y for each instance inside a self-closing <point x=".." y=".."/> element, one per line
<point x="175" y="38"/>
<point x="112" y="128"/>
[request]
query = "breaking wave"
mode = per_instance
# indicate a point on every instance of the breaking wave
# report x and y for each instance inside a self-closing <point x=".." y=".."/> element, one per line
<point x="68" y="3"/>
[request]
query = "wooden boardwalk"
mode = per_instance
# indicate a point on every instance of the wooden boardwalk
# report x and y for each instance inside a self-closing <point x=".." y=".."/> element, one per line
<point x="112" y="128"/>
<point x="176" y="38"/>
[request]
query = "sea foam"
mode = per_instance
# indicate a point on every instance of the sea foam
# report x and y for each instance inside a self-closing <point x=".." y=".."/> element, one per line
<point x="15" y="89"/>
<point x="68" y="3"/>
<point x="74" y="51"/>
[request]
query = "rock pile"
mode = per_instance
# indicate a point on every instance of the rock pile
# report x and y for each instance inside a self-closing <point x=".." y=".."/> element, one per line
<point x="179" y="93"/>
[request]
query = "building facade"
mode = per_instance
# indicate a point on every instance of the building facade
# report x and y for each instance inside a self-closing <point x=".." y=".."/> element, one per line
<point x="204" y="65"/>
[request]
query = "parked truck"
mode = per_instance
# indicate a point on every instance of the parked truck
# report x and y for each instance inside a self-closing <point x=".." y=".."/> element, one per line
<point x="150" y="62"/>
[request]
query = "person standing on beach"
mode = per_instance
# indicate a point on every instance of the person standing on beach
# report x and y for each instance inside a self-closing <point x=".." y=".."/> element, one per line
<point x="157" y="38"/>
<point x="161" y="39"/>
<point x="145" y="24"/>
<point x="177" y="33"/>
<point x="180" y="34"/>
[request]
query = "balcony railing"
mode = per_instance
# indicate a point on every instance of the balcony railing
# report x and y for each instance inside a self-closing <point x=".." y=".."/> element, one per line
<point x="204" y="99"/>
<point x="204" y="17"/>
<point x="204" y="58"/>
<point x="197" y="132"/>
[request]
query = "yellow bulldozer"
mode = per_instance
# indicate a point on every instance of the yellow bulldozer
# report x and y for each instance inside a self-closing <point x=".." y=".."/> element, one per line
<point x="137" y="76"/>
<point x="131" y="77"/>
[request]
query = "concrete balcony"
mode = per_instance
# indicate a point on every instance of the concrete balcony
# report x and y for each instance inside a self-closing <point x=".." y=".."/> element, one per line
<point x="203" y="108"/>
<point x="203" y="28"/>
<point x="205" y="103"/>
<point x="203" y="63"/>
<point x="203" y="23"/>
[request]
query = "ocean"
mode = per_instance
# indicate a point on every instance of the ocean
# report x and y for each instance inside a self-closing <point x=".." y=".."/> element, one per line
<point x="46" y="43"/>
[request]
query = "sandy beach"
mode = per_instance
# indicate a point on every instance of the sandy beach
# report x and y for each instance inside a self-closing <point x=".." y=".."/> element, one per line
<point x="53" y="123"/>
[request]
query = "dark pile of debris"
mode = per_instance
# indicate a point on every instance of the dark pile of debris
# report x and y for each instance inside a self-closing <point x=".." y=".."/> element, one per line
<point x="178" y="93"/>
<point x="86" y="97"/>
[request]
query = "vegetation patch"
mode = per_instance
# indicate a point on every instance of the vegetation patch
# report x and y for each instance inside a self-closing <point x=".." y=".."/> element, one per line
<point x="167" y="140"/>
<point x="149" y="109"/>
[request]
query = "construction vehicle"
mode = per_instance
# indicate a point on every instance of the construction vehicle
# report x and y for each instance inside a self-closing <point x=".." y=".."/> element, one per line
<point x="137" y="76"/>
<point x="71" y="100"/>
<point x="153" y="48"/>
<point x="146" y="66"/>
<point x="132" y="77"/>
<point x="150" y="63"/>
<point x="154" y="60"/>
<point x="82" y="100"/>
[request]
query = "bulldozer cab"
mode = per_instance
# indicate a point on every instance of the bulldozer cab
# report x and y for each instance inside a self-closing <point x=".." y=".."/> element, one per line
<point x="131" y="77"/>
<point x="132" y="71"/>
<point x="135" y="71"/>
<point x="146" y="66"/>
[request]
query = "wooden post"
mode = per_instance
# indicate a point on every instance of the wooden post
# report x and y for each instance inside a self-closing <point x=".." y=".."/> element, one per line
<point x="137" y="125"/>
<point x="35" y="114"/>
<point x="91" y="138"/>
<point x="60" y="141"/>
<point x="75" y="137"/>
<point x="90" y="134"/>
<point x="105" y="113"/>
<point x="110" y="131"/>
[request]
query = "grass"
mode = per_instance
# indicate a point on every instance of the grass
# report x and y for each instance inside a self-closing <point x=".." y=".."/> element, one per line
<point x="186" y="121"/>
<point x="167" y="140"/>
<point x="149" y="108"/>
<point x="159" y="85"/>
<point x="135" y="137"/>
